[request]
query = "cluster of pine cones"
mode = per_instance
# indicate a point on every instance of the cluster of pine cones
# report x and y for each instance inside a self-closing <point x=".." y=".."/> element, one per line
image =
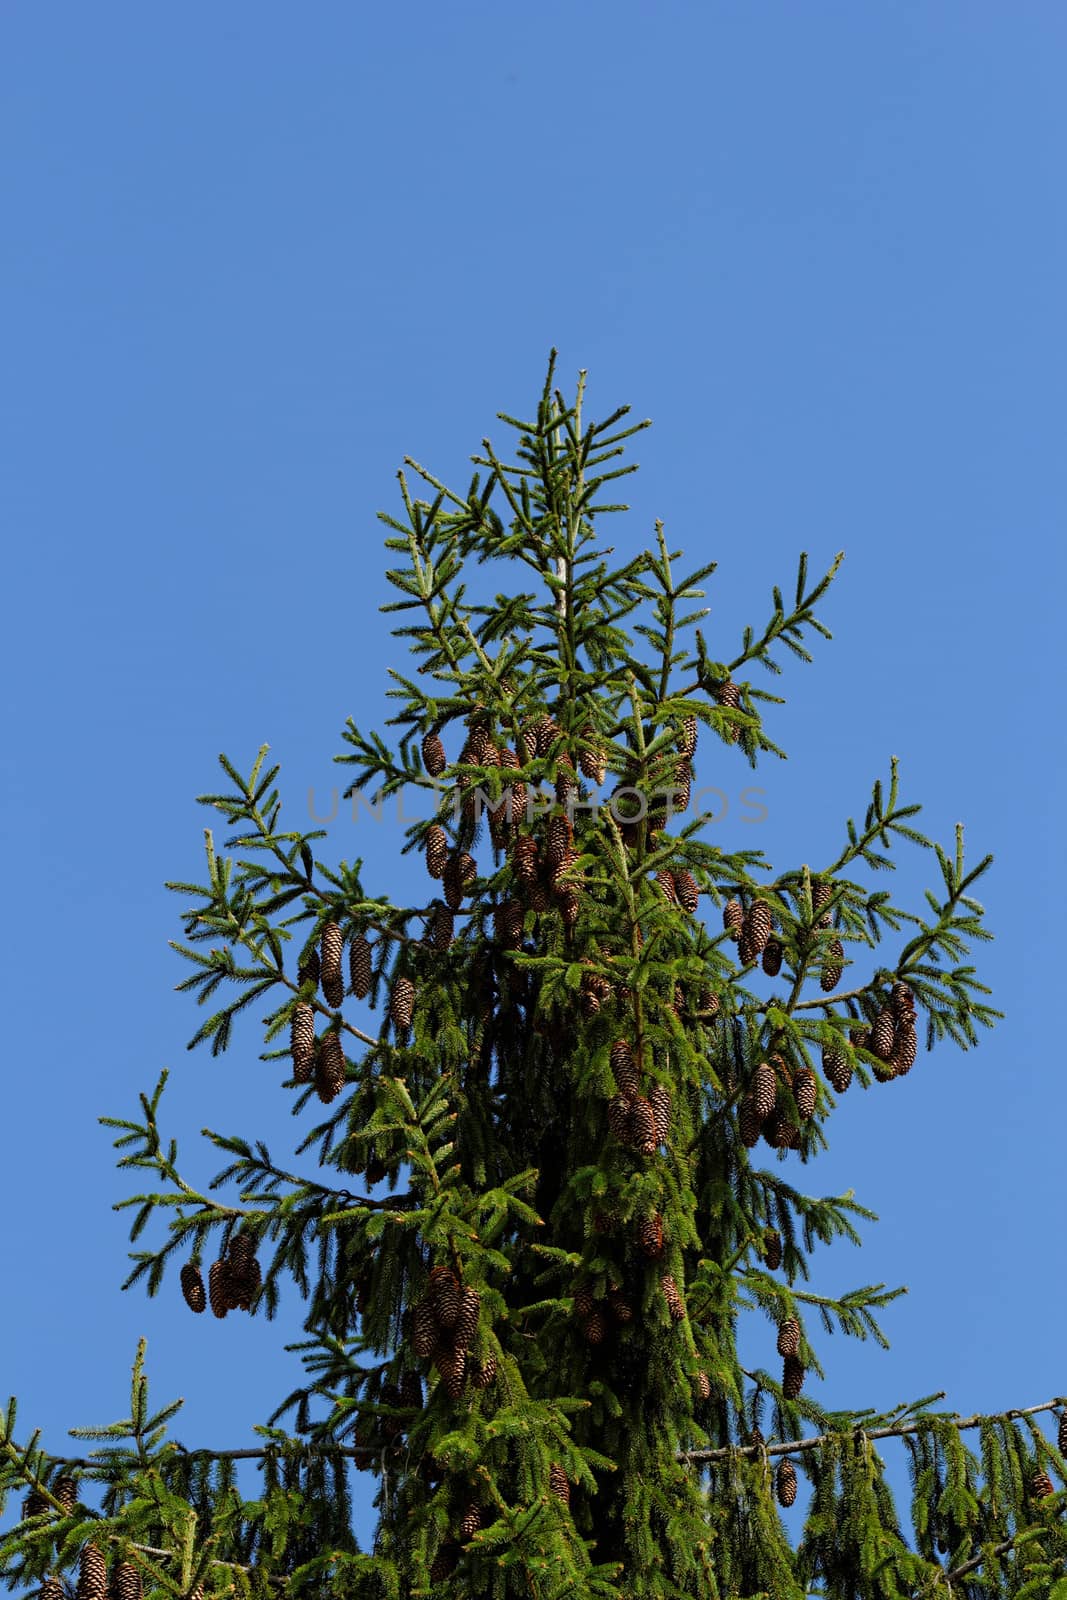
<point x="593" y="1314"/>
<point x="233" y="1280"/>
<point x="93" y="1584"/>
<point x="793" y="1372"/>
<point x="641" y="1123"/>
<point x="763" y="1112"/>
<point x="892" y="1036"/>
<point x="322" y="1060"/>
<point x="444" y="1326"/>
<point x="752" y="929"/>
<point x="65" y="1491"/>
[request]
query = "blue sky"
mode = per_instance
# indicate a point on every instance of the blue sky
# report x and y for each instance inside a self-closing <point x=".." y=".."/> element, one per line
<point x="253" y="257"/>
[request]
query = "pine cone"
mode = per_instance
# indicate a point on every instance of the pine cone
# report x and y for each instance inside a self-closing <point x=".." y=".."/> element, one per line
<point x="687" y="739"/>
<point x="805" y="1093"/>
<point x="559" y="1483"/>
<point x="675" y="1303"/>
<point x="772" y="1250"/>
<point x="789" y="1337"/>
<point x="750" y="1122"/>
<point x="733" y="918"/>
<point x="546" y="732"/>
<point x="1041" y="1484"/>
<point x="423" y="1330"/>
<point x="728" y="694"/>
<point x="821" y="895"/>
<point x="126" y="1582"/>
<point x="837" y="1067"/>
<point x="51" y="1589"/>
<point x="524" y="860"/>
<point x="192" y="1287"/>
<point x="452" y="1365"/>
<point x="780" y="1133"/>
<point x="901" y="1001"/>
<point x="624" y="1068"/>
<point x="594" y="1327"/>
<point x="467" y="1321"/>
<point x="860" y="1037"/>
<point x="485" y="1374"/>
<point x="905" y="1047"/>
<point x="560" y="835"/>
<point x="443" y="927"/>
<point x="471" y="1521"/>
<point x="511" y="920"/>
<point x="764" y="1090"/>
<point x="619" y="1118"/>
<point x="688" y="891"/>
<point x="92" y="1573"/>
<point x="34" y="1505"/>
<point x="882" y="1034"/>
<point x="359" y="966"/>
<point x="703" y="1386"/>
<point x="218" y="1288"/>
<point x="659" y="1098"/>
<point x="461" y="870"/>
<point x="772" y="958"/>
<point x="402" y="1004"/>
<point x="329" y="1067"/>
<point x="650" y="1236"/>
<point x="583" y="1301"/>
<point x="445" y="1296"/>
<point x="792" y="1377"/>
<point x="620" y="1307"/>
<point x="1061" y="1434"/>
<point x="436" y="850"/>
<point x="433" y="755"/>
<point x="332" y="946"/>
<point x="643" y="1136"/>
<point x="308" y="971"/>
<point x="665" y="880"/>
<point x="302" y="1041"/>
<point x="756" y="929"/>
<point x="785" y="1483"/>
<point x="833" y="966"/>
<point x="66" y="1492"/>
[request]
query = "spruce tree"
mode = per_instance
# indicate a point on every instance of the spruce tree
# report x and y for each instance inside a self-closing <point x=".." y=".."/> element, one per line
<point x="583" y="1075"/>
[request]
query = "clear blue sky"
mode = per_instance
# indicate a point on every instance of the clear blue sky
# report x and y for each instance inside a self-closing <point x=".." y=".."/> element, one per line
<point x="253" y="255"/>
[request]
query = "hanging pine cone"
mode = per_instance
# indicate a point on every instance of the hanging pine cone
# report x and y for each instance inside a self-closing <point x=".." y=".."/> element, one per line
<point x="805" y="1093"/>
<point x="675" y="1303"/>
<point x="659" y="1098"/>
<point x="902" y="1001"/>
<point x="728" y="694"/>
<point x="423" y="1330"/>
<point x="511" y="920"/>
<point x="302" y="1041"/>
<point x="687" y="739"/>
<point x="772" y="1250"/>
<point x="452" y="1365"/>
<point x="92" y="1573"/>
<point x="546" y="732"/>
<point x="436" y="850"/>
<point x="433" y="754"/>
<point x="860" y="1037"/>
<point x="1041" y="1484"/>
<point x="445" y="1296"/>
<point x="785" y="1482"/>
<point x="703" y="1385"/>
<point x="524" y="860"/>
<point x="882" y="1034"/>
<point x="467" y="1320"/>
<point x="332" y="945"/>
<point x="308" y="971"/>
<point x="665" y="880"/>
<point x="789" y="1337"/>
<point x="1061" y="1434"/>
<point x="594" y="1327"/>
<point x="650" y="1236"/>
<point x="442" y="928"/>
<point x="905" y="1047"/>
<point x="34" y="1505"/>
<point x="733" y="918"/>
<point x="471" y="1521"/>
<point x="51" y="1589"/>
<point x="329" y="1067"/>
<point x="583" y="1300"/>
<point x="483" y="1374"/>
<point x="624" y="1068"/>
<point x="243" y="1271"/>
<point x="359" y="966"/>
<point x="792" y="1377"/>
<point x="750" y="1122"/>
<point x="779" y="1132"/>
<point x="559" y="1483"/>
<point x="764" y="1090"/>
<point x="756" y="929"/>
<point x="620" y="1307"/>
<point x="821" y="895"/>
<point x="402" y="1003"/>
<point x="833" y="966"/>
<point x="66" y="1492"/>
<point x="837" y="1067"/>
<point x="687" y="891"/>
<point x="643" y="1127"/>
<point x="619" y="1118"/>
<point x="193" y="1287"/>
<point x="772" y="958"/>
<point x="218" y="1288"/>
<point x="126" y="1582"/>
<point x="444" y="1562"/>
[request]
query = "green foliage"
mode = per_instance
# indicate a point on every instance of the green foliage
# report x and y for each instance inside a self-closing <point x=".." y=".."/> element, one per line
<point x="592" y="1432"/>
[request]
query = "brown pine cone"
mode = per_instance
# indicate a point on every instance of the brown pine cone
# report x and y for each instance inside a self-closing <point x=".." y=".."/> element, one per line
<point x="51" y="1589"/>
<point x="445" y="1296"/>
<point x="620" y="1307"/>
<point x="332" y="947"/>
<point x="546" y="732"/>
<point x="905" y="1047"/>
<point x="733" y="918"/>
<point x="483" y="1375"/>
<point x="729" y="694"/>
<point x="805" y="1093"/>
<point x="882" y="1034"/>
<point x="789" y="1337"/>
<point x="687" y="739"/>
<point x="443" y="928"/>
<point x="650" y="1236"/>
<point x="675" y="1303"/>
<point x="665" y="880"/>
<point x="218" y="1288"/>
<point x="793" y="1375"/>
<point x="688" y="891"/>
<point x="92" y="1573"/>
<point x="772" y="1250"/>
<point x="772" y="958"/>
<point x="524" y="860"/>
<point x="901" y="1001"/>
<point x="192" y="1288"/>
<point x="436" y="850"/>
<point x="624" y="1068"/>
<point x="423" y="1329"/>
<point x="703" y="1385"/>
<point x="833" y="966"/>
<point x="659" y="1098"/>
<point x="309" y="969"/>
<point x="302" y="1041"/>
<point x="359" y="966"/>
<point x="764" y="1090"/>
<point x="837" y="1067"/>
<point x="643" y="1137"/>
<point x="821" y="895"/>
<point x="750" y="1122"/>
<point x="785" y="1482"/>
<point x="559" y="1483"/>
<point x="329" y="1067"/>
<point x="471" y="1521"/>
<point x="756" y="929"/>
<point x="452" y="1365"/>
<point x="66" y="1492"/>
<point x="1041" y="1484"/>
<point x="433" y="754"/>
<point x="594" y="1327"/>
<point x="619" y="1118"/>
<point x="583" y="1301"/>
<point x="1061" y="1434"/>
<point x="126" y="1582"/>
<point x="34" y="1505"/>
<point x="467" y="1320"/>
<point x="402" y="1003"/>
